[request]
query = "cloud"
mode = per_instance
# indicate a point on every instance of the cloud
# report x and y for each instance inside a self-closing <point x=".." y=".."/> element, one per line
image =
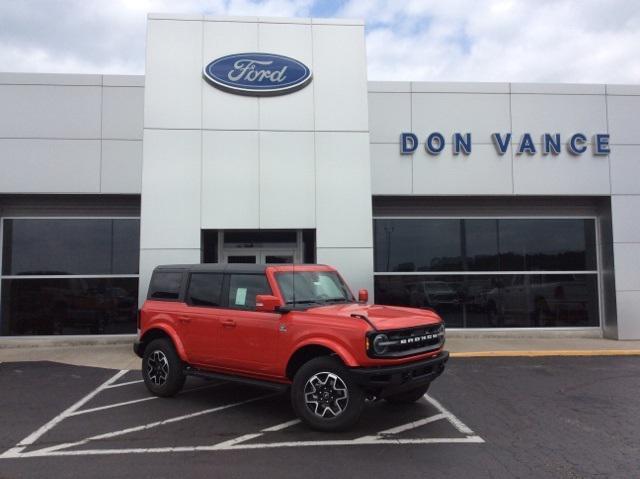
<point x="484" y="40"/>
<point x="502" y="40"/>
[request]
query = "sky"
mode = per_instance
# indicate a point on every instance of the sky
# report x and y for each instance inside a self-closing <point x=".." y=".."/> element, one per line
<point x="575" y="41"/>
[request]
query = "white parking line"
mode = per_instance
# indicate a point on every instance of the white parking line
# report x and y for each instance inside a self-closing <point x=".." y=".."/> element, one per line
<point x="280" y="427"/>
<point x="412" y="425"/>
<point x="134" y="401"/>
<point x="109" y="406"/>
<point x="109" y="435"/>
<point x="124" y="384"/>
<point x="233" y="445"/>
<point x="241" y="442"/>
<point x="34" y="436"/>
<point x="457" y="423"/>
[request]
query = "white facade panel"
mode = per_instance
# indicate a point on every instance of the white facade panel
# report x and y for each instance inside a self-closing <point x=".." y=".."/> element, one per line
<point x="459" y="87"/>
<point x="389" y="87"/>
<point x="446" y="113"/>
<point x="71" y="79"/>
<point x="173" y="91"/>
<point x="625" y="169"/>
<point x="294" y="111"/>
<point x="50" y="111"/>
<point x="627" y="263"/>
<point x="625" y="213"/>
<point x="340" y="80"/>
<point x="222" y="110"/>
<point x="343" y="190"/>
<point x="562" y="174"/>
<point x="565" y="114"/>
<point x="389" y="115"/>
<point x="558" y="88"/>
<point x="483" y="172"/>
<point x="121" y="167"/>
<point x="49" y="166"/>
<point x="628" y="307"/>
<point x="122" y="113"/>
<point x="354" y="264"/>
<point x="287" y="180"/>
<point x="230" y="179"/>
<point x="391" y="172"/>
<point x="624" y="126"/>
<point x="170" y="210"/>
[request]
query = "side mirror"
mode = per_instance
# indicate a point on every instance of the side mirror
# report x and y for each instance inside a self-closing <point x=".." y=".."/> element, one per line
<point x="363" y="296"/>
<point x="266" y="303"/>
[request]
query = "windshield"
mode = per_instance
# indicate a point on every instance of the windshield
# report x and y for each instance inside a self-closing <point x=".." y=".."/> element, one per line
<point x="313" y="287"/>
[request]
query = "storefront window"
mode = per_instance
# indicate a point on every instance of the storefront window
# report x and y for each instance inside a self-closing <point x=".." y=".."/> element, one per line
<point x="69" y="276"/>
<point x="484" y="245"/>
<point x="560" y="254"/>
<point x="69" y="306"/>
<point x="70" y="246"/>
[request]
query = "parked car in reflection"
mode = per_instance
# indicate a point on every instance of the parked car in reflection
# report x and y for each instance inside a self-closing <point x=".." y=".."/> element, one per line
<point x="547" y="300"/>
<point x="431" y="294"/>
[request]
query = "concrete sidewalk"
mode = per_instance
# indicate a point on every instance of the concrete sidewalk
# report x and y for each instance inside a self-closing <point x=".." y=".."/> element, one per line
<point x="118" y="353"/>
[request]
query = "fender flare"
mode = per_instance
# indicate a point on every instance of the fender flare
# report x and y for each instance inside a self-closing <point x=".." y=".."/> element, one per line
<point x="342" y="352"/>
<point x="169" y="331"/>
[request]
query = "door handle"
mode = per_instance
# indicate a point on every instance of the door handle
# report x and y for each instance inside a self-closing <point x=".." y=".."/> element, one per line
<point x="228" y="323"/>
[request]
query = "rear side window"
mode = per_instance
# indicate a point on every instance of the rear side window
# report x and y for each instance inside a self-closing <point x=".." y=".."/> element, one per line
<point x="205" y="289"/>
<point x="243" y="289"/>
<point x="165" y="285"/>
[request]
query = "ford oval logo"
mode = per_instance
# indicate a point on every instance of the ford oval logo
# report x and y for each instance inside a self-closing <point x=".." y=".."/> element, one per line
<point x="258" y="74"/>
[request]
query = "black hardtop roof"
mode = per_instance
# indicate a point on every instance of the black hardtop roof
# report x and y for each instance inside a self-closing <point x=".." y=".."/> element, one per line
<point x="220" y="268"/>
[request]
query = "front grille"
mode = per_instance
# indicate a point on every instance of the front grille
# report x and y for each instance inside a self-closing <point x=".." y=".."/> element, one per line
<point x="415" y="340"/>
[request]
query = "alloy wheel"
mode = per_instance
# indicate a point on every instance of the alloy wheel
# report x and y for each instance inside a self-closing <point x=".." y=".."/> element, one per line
<point x="326" y="395"/>
<point x="158" y="368"/>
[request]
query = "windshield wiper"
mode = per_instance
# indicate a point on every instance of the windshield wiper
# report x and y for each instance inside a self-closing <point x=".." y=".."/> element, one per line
<point x="336" y="300"/>
<point x="304" y="301"/>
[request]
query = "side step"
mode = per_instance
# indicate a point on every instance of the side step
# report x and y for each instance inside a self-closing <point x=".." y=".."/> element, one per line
<point x="238" y="379"/>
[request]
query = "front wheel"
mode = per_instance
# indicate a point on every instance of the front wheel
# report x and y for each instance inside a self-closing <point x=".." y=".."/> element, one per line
<point x="324" y="395"/>
<point x="162" y="369"/>
<point x="408" y="397"/>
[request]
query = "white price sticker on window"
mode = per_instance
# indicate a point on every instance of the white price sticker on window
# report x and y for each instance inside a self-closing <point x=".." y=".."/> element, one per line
<point x="241" y="296"/>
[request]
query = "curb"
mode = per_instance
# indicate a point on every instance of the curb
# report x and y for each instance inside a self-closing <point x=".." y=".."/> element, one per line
<point x="541" y="353"/>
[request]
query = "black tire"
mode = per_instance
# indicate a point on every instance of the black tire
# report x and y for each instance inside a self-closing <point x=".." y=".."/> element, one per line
<point x="162" y="369"/>
<point x="336" y="414"/>
<point x="408" y="397"/>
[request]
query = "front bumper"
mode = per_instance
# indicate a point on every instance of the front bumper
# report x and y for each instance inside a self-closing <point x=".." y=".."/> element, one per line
<point x="387" y="380"/>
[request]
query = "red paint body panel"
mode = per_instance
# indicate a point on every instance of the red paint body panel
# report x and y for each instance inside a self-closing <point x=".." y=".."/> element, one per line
<point x="260" y="344"/>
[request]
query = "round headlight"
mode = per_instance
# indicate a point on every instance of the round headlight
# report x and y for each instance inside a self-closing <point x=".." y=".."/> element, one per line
<point x="378" y="344"/>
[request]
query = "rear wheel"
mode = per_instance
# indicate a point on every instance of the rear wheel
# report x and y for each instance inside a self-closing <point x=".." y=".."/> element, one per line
<point x="324" y="395"/>
<point x="162" y="369"/>
<point x="408" y="397"/>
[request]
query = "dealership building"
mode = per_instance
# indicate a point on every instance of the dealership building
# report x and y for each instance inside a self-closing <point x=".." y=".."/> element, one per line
<point x="260" y="140"/>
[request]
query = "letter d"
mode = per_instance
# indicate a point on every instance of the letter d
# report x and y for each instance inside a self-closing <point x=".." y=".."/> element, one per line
<point x="408" y="143"/>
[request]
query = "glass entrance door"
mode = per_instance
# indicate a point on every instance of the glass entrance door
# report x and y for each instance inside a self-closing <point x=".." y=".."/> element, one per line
<point x="258" y="255"/>
<point x="277" y="256"/>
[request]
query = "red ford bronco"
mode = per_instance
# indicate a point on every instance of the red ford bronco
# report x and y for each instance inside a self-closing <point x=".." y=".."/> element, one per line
<point x="286" y="326"/>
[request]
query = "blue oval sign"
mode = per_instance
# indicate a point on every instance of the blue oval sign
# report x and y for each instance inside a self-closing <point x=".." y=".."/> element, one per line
<point x="258" y="74"/>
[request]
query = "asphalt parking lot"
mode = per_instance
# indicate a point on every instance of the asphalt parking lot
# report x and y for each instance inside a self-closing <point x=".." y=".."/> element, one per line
<point x="485" y="417"/>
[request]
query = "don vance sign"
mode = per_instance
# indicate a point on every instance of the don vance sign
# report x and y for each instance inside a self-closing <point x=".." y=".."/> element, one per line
<point x="546" y="144"/>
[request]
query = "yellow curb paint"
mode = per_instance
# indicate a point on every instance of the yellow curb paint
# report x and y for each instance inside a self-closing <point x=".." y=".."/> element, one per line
<point x="539" y="353"/>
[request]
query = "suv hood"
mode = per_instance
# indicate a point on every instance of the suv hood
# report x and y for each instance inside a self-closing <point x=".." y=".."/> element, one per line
<point x="382" y="317"/>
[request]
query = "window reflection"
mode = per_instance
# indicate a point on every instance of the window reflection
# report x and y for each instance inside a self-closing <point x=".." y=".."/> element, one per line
<point x="69" y="306"/>
<point x="505" y="301"/>
<point x="417" y="245"/>
<point x="436" y="245"/>
<point x="70" y="246"/>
